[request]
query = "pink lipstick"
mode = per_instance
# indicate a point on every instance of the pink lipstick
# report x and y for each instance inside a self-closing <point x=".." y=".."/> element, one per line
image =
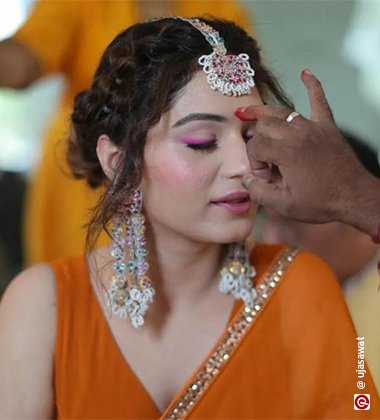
<point x="236" y="203"/>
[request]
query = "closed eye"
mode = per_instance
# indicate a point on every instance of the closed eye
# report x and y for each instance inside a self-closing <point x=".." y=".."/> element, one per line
<point x="203" y="146"/>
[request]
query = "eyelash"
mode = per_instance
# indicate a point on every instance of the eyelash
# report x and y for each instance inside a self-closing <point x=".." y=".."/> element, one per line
<point x="203" y="146"/>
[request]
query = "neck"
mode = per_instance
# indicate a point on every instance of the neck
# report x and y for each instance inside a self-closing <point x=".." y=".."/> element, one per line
<point x="181" y="269"/>
<point x="357" y="263"/>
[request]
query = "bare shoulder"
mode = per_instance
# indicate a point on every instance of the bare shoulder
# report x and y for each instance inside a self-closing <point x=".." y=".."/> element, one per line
<point x="32" y="292"/>
<point x="27" y="340"/>
<point x="37" y="281"/>
<point x="27" y="310"/>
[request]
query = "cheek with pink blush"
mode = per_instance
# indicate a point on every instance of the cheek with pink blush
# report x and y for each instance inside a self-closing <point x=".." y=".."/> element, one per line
<point x="178" y="174"/>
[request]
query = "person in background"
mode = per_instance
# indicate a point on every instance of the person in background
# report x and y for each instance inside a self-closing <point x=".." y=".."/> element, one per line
<point x="58" y="37"/>
<point x="350" y="254"/>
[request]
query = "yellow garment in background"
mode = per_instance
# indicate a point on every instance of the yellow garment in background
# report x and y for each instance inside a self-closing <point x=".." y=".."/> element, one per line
<point x="69" y="37"/>
<point x="363" y="301"/>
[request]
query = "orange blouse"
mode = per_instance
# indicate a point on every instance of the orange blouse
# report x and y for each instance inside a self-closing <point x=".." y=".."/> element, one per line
<point x="293" y="356"/>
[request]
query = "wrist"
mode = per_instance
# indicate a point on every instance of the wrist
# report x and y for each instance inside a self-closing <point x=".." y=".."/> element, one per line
<point x="362" y="210"/>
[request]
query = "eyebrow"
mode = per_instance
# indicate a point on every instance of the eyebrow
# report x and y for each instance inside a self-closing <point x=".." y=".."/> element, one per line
<point x="199" y="117"/>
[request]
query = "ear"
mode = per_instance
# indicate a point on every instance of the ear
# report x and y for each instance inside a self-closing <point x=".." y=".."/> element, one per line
<point x="109" y="155"/>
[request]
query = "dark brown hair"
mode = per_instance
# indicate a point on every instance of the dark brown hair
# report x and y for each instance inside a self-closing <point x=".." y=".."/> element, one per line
<point x="139" y="77"/>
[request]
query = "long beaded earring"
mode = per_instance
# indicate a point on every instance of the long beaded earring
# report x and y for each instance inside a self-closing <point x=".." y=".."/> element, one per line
<point x="131" y="291"/>
<point x="237" y="275"/>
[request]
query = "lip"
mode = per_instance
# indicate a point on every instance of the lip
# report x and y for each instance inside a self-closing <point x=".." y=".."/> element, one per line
<point x="228" y="202"/>
<point x="237" y="195"/>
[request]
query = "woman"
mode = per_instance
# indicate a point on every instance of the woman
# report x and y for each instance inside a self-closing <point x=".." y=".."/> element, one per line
<point x="176" y="319"/>
<point x="58" y="37"/>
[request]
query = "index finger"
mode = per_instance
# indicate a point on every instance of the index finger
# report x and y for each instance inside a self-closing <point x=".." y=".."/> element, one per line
<point x="255" y="112"/>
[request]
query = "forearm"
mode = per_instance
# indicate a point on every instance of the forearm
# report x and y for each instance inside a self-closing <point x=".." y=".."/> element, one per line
<point x="19" y="67"/>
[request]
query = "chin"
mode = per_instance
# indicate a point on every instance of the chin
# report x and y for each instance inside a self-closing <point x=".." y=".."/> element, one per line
<point x="235" y="232"/>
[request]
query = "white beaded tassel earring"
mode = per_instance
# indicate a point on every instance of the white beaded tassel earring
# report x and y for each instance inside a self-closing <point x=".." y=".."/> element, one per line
<point x="237" y="275"/>
<point x="131" y="291"/>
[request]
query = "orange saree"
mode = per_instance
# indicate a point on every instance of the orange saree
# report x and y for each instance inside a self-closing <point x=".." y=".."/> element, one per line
<point x="293" y="356"/>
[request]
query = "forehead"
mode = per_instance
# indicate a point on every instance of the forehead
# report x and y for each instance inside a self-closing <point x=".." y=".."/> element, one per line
<point x="198" y="96"/>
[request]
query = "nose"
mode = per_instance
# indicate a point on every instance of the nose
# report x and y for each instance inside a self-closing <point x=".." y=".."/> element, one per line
<point x="236" y="162"/>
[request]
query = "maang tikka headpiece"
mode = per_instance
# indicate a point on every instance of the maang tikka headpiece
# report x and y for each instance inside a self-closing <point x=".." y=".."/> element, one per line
<point x="229" y="74"/>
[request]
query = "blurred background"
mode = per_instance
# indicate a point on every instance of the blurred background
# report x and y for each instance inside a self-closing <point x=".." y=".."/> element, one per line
<point x="338" y="40"/>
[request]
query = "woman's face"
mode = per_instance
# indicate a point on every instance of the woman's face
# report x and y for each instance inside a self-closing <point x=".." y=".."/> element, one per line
<point x="194" y="161"/>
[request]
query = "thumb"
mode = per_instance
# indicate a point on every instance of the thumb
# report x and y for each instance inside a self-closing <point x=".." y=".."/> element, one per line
<point x="320" y="108"/>
<point x="263" y="192"/>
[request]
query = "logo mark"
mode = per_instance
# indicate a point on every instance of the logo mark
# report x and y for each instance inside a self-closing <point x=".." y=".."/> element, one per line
<point x="361" y="385"/>
<point x="361" y="401"/>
